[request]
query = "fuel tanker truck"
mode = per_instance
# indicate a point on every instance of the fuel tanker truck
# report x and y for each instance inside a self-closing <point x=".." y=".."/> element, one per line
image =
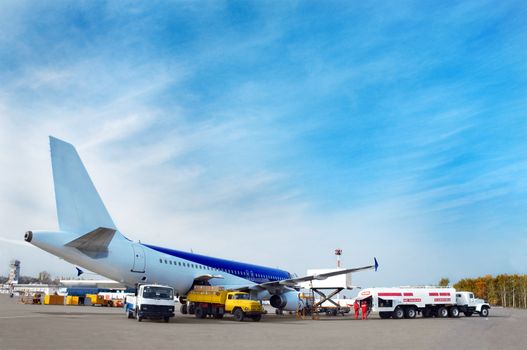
<point x="408" y="302"/>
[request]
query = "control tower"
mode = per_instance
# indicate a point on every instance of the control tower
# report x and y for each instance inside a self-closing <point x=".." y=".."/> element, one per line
<point x="14" y="272"/>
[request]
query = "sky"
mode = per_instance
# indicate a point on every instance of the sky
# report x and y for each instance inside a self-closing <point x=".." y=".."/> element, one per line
<point x="274" y="132"/>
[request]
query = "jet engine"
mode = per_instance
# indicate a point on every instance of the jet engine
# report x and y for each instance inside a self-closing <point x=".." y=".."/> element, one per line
<point x="288" y="301"/>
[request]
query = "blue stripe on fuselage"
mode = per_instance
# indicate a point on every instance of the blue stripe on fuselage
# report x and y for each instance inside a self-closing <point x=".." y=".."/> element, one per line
<point x="253" y="273"/>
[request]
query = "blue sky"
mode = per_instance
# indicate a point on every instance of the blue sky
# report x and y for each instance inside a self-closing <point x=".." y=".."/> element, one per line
<point x="394" y="129"/>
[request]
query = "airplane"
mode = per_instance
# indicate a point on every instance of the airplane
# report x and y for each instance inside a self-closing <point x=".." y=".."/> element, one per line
<point x="88" y="238"/>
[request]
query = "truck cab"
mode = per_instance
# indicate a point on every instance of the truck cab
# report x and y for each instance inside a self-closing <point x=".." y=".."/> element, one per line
<point x="469" y="305"/>
<point x="241" y="301"/>
<point x="151" y="301"/>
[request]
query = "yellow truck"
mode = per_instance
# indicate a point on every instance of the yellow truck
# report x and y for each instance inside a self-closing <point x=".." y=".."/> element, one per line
<point x="214" y="302"/>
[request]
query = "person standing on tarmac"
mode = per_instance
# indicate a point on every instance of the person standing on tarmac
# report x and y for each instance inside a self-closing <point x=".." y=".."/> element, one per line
<point x="364" y="310"/>
<point x="356" y="309"/>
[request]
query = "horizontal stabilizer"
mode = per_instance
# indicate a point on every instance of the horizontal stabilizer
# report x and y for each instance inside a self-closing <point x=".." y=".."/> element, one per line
<point x="94" y="243"/>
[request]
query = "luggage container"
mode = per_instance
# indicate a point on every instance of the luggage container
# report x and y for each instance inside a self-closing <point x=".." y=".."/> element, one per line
<point x="53" y="299"/>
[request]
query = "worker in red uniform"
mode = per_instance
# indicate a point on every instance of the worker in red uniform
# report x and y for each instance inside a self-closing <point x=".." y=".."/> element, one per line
<point x="356" y="308"/>
<point x="364" y="310"/>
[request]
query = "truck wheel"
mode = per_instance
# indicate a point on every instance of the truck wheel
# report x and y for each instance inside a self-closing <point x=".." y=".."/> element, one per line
<point x="468" y="313"/>
<point x="256" y="318"/>
<point x="454" y="312"/>
<point x="398" y="313"/>
<point x="130" y="314"/>
<point x="239" y="315"/>
<point x="442" y="312"/>
<point x="484" y="311"/>
<point x="191" y="308"/>
<point x="183" y="309"/>
<point x="410" y="312"/>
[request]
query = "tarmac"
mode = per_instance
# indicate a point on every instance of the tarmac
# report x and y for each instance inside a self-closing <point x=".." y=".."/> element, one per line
<point x="91" y="327"/>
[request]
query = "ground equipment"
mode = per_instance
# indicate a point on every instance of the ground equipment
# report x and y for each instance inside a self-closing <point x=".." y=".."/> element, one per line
<point x="151" y="301"/>
<point x="205" y="301"/>
<point x="408" y="302"/>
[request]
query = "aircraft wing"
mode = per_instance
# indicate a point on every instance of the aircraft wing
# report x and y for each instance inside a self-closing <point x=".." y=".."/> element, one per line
<point x="207" y="277"/>
<point x="294" y="282"/>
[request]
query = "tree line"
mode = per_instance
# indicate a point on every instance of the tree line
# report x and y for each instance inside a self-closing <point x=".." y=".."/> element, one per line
<point x="502" y="290"/>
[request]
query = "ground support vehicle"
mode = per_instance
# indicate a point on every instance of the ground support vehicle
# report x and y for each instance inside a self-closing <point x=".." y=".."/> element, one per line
<point x="99" y="300"/>
<point x="408" y="302"/>
<point x="469" y="305"/>
<point x="205" y="301"/>
<point x="151" y="301"/>
<point x="335" y="307"/>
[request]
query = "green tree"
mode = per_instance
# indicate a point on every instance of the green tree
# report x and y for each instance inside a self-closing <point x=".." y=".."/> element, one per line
<point x="444" y="282"/>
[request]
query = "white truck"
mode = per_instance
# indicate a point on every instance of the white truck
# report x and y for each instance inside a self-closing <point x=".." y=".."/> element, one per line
<point x="407" y="302"/>
<point x="151" y="301"/>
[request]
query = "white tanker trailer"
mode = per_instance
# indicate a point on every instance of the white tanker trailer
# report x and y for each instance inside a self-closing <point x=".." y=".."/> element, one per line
<point x="408" y="302"/>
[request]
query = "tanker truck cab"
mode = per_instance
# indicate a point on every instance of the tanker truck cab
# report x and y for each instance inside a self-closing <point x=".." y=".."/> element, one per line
<point x="151" y="301"/>
<point x="468" y="304"/>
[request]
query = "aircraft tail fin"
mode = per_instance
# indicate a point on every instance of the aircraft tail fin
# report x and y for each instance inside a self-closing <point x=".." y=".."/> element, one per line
<point x="79" y="206"/>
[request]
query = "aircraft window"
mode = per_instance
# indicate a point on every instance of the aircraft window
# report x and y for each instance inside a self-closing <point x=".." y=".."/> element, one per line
<point x="170" y="262"/>
<point x="179" y="263"/>
<point x="166" y="261"/>
<point x="161" y="261"/>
